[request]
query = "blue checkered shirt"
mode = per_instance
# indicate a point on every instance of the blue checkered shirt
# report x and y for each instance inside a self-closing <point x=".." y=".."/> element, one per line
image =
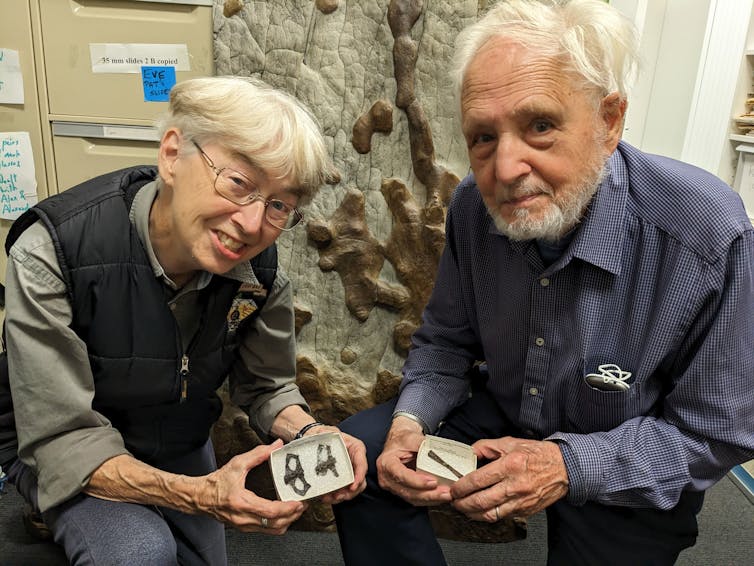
<point x="658" y="280"/>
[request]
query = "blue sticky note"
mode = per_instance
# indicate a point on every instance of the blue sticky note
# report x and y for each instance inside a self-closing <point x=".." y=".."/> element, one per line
<point x="157" y="83"/>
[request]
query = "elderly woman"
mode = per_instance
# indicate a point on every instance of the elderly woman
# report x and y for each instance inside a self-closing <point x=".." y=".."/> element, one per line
<point x="130" y="298"/>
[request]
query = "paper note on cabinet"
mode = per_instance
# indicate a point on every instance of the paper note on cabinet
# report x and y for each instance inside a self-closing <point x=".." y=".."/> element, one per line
<point x="18" y="183"/>
<point x="11" y="80"/>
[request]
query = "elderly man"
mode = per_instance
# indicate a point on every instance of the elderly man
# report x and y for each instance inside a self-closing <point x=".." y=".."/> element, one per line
<point x="130" y="298"/>
<point x="591" y="327"/>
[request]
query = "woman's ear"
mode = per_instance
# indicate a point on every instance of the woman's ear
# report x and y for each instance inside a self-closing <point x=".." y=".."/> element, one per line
<point x="613" y="111"/>
<point x="167" y="155"/>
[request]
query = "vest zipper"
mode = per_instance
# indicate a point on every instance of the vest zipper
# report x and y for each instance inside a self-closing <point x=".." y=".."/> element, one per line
<point x="184" y="377"/>
<point x="183" y="373"/>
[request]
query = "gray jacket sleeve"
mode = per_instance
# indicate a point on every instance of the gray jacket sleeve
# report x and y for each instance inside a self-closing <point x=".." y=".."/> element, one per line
<point x="263" y="382"/>
<point x="60" y="437"/>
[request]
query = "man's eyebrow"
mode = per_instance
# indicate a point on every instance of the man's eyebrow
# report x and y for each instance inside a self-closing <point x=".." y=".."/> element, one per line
<point x="536" y="109"/>
<point x="474" y="120"/>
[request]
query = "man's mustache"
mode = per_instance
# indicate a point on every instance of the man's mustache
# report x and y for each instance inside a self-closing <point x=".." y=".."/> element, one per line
<point x="521" y="190"/>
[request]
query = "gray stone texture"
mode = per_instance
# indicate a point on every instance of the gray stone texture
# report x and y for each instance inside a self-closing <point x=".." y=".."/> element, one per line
<point x="339" y="64"/>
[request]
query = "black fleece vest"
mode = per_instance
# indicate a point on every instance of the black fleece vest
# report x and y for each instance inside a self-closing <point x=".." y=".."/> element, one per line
<point x="161" y="399"/>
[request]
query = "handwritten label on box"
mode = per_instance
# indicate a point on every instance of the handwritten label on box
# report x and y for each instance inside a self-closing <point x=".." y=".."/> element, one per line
<point x="18" y="183"/>
<point x="11" y="79"/>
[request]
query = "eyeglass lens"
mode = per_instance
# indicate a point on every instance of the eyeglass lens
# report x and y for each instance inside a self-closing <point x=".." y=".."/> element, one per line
<point x="238" y="189"/>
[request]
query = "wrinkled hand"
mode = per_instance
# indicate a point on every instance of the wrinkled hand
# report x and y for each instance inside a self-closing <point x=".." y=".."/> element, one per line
<point x="226" y="498"/>
<point x="524" y="477"/>
<point x="401" y="446"/>
<point x="357" y="452"/>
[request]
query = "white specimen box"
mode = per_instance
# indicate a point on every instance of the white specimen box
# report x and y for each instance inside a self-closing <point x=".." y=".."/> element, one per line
<point x="70" y="27"/>
<point x="85" y="150"/>
<point x="448" y="460"/>
<point x="311" y="466"/>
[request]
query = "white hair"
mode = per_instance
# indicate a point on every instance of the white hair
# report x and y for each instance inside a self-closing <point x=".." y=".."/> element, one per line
<point x="597" y="44"/>
<point x="269" y="127"/>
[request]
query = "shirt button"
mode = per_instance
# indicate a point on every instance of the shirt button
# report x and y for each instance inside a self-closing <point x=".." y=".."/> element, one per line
<point x="539" y="341"/>
<point x="544" y="282"/>
<point x="173" y="306"/>
<point x="533" y="391"/>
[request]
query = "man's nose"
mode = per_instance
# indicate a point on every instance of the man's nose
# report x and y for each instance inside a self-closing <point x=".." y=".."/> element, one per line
<point x="511" y="160"/>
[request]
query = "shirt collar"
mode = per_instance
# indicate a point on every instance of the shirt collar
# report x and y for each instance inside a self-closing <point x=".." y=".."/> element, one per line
<point x="139" y="216"/>
<point x="243" y="273"/>
<point x="599" y="239"/>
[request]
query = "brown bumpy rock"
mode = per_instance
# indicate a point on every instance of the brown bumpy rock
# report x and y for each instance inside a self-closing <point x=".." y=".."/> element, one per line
<point x="326" y="6"/>
<point x="378" y="119"/>
<point x="232" y="7"/>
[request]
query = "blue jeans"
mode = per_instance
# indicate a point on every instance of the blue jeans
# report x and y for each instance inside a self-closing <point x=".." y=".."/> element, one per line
<point x="98" y="532"/>
<point x="378" y="528"/>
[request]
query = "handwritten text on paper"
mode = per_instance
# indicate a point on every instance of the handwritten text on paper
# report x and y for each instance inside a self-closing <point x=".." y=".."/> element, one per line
<point x="18" y="184"/>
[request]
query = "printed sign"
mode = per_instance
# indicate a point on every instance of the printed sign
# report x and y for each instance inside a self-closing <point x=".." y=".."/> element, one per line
<point x="157" y="82"/>
<point x="18" y="183"/>
<point x="131" y="57"/>
<point x="11" y="80"/>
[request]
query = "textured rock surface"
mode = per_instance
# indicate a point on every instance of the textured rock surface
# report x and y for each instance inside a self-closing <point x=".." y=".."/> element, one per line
<point x="363" y="263"/>
<point x="375" y="73"/>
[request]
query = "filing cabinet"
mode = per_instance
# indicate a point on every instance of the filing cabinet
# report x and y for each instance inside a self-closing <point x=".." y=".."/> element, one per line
<point x="100" y="121"/>
<point x="85" y="150"/>
<point x="15" y="34"/>
<point x="86" y="118"/>
<point x="70" y="29"/>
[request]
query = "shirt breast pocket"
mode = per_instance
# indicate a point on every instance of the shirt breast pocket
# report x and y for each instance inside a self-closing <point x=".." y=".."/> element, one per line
<point x="590" y="409"/>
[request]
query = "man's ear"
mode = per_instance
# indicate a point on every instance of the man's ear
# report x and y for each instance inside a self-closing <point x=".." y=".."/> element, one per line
<point x="613" y="112"/>
<point x="168" y="154"/>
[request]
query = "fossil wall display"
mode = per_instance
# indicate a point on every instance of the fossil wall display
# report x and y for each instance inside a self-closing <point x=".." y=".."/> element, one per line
<point x="375" y="74"/>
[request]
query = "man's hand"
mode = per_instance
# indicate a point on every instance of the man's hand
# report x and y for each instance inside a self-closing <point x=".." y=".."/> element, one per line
<point x="524" y="477"/>
<point x="395" y="475"/>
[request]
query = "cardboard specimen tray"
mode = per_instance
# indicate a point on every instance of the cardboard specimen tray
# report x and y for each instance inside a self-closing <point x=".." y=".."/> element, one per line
<point x="447" y="460"/>
<point x="311" y="466"/>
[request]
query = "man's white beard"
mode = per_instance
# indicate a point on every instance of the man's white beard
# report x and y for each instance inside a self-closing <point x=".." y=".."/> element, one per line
<point x="562" y="213"/>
